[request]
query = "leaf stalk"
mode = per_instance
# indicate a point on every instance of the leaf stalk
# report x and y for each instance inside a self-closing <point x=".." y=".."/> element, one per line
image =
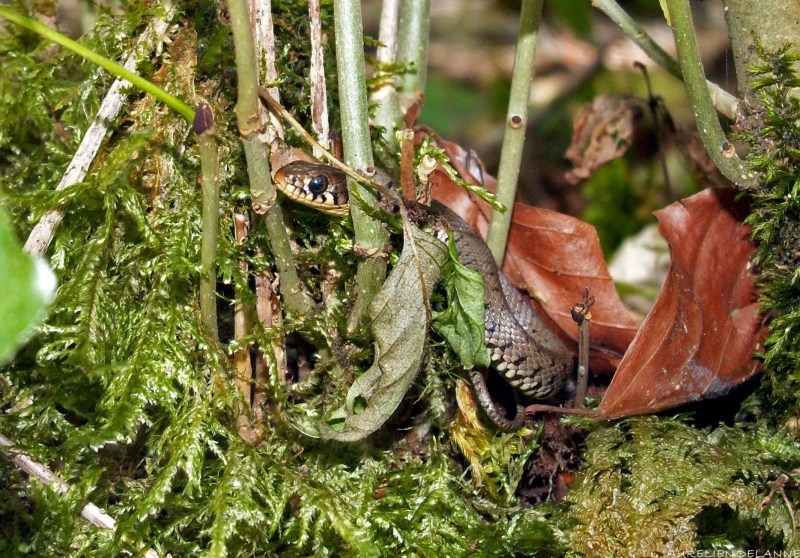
<point x="250" y="117"/>
<point x="725" y="103"/>
<point x="370" y="236"/>
<point x="209" y="163"/>
<point x="412" y="49"/>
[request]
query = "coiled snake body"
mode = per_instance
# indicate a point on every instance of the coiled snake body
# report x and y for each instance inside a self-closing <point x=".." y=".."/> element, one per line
<point x="523" y="349"/>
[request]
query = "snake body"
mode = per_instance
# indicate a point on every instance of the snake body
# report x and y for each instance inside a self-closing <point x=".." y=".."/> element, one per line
<point x="523" y="349"/>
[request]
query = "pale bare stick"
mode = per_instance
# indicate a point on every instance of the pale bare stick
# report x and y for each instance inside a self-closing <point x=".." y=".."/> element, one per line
<point x="387" y="34"/>
<point x="264" y="37"/>
<point x="90" y="512"/>
<point x="42" y="234"/>
<point x="388" y="113"/>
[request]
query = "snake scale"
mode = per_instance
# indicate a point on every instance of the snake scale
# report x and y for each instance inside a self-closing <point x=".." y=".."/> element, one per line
<point x="523" y="349"/>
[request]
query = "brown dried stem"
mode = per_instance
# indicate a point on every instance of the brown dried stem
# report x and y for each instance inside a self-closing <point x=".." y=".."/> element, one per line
<point x="319" y="95"/>
<point x="242" y="367"/>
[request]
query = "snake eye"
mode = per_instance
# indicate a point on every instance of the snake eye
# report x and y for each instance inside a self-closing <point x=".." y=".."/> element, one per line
<point x="318" y="184"/>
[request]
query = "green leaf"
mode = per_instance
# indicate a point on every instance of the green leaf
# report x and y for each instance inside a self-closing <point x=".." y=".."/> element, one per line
<point x="462" y="324"/>
<point x="400" y="322"/>
<point x="665" y="9"/>
<point x="28" y="287"/>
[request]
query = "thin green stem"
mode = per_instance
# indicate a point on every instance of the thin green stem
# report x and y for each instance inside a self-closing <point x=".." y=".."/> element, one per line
<point x="116" y="69"/>
<point x="708" y="126"/>
<point x="209" y="163"/>
<point x="412" y="48"/>
<point x="516" y="121"/>
<point x="724" y="102"/>
<point x="637" y="34"/>
<point x="248" y="108"/>
<point x="247" y="104"/>
<point x="352" y="84"/>
<point x="294" y="295"/>
<point x="370" y="236"/>
<point x="250" y="117"/>
<point x="384" y="96"/>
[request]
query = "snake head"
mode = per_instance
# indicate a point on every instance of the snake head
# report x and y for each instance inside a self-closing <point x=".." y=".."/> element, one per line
<point x="319" y="186"/>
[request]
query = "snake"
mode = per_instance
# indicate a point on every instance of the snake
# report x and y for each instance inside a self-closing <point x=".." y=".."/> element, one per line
<point x="523" y="350"/>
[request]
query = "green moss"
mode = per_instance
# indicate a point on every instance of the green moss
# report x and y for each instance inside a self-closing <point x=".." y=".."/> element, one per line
<point x="655" y="487"/>
<point x="773" y="134"/>
<point x="123" y="394"/>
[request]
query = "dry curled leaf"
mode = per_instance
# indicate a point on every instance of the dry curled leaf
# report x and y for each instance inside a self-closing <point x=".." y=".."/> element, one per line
<point x="698" y="340"/>
<point x="607" y="127"/>
<point x="604" y="130"/>
<point x="400" y="320"/>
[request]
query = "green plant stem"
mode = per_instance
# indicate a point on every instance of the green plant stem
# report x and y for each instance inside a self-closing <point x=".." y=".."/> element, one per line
<point x="247" y="103"/>
<point x="370" y="236"/>
<point x="209" y="163"/>
<point x="173" y="102"/>
<point x="294" y="295"/>
<point x="724" y="102"/>
<point x="708" y="125"/>
<point x="638" y="35"/>
<point x="384" y="96"/>
<point x="412" y="48"/>
<point x="250" y="117"/>
<point x="352" y="88"/>
<point x="516" y="120"/>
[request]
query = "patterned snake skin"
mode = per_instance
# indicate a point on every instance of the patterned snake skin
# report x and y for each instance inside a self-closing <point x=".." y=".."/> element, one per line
<point x="523" y="350"/>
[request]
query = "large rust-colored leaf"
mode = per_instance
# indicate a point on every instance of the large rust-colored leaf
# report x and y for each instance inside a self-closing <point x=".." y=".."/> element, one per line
<point x="699" y="338"/>
<point x="553" y="257"/>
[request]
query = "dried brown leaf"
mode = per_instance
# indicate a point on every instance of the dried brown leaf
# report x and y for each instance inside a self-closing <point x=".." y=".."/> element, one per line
<point x="604" y="130"/>
<point x="699" y="338"/>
